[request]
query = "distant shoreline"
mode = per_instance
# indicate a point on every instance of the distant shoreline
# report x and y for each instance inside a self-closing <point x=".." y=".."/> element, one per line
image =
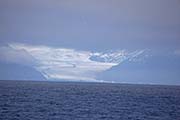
<point x="86" y="82"/>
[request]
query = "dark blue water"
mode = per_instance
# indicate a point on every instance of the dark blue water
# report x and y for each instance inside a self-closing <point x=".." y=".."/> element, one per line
<point x="20" y="100"/>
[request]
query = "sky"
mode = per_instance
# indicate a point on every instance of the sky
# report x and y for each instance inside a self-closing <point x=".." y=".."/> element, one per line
<point x="86" y="37"/>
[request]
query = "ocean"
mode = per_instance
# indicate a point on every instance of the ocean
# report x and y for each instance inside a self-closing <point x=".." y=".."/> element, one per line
<point x="28" y="100"/>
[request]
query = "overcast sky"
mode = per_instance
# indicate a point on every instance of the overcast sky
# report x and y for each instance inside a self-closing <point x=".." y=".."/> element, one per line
<point x="92" y="24"/>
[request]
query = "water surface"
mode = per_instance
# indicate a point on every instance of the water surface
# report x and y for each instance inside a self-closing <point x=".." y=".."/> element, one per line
<point x="25" y="100"/>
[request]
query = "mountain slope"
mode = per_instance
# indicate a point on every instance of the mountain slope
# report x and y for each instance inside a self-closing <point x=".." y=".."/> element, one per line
<point x="12" y="71"/>
<point x="154" y="69"/>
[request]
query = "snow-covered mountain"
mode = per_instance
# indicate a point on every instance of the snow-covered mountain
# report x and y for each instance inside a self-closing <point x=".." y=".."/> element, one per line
<point x="75" y="65"/>
<point x="62" y="63"/>
<point x="119" y="56"/>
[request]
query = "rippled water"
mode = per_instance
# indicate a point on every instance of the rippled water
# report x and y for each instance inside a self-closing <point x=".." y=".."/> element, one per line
<point x="21" y="100"/>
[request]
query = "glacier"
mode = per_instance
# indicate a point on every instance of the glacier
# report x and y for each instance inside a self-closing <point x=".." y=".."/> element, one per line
<point x="70" y="64"/>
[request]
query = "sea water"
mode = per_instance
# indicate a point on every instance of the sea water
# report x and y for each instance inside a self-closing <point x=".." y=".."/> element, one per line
<point x="25" y="100"/>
